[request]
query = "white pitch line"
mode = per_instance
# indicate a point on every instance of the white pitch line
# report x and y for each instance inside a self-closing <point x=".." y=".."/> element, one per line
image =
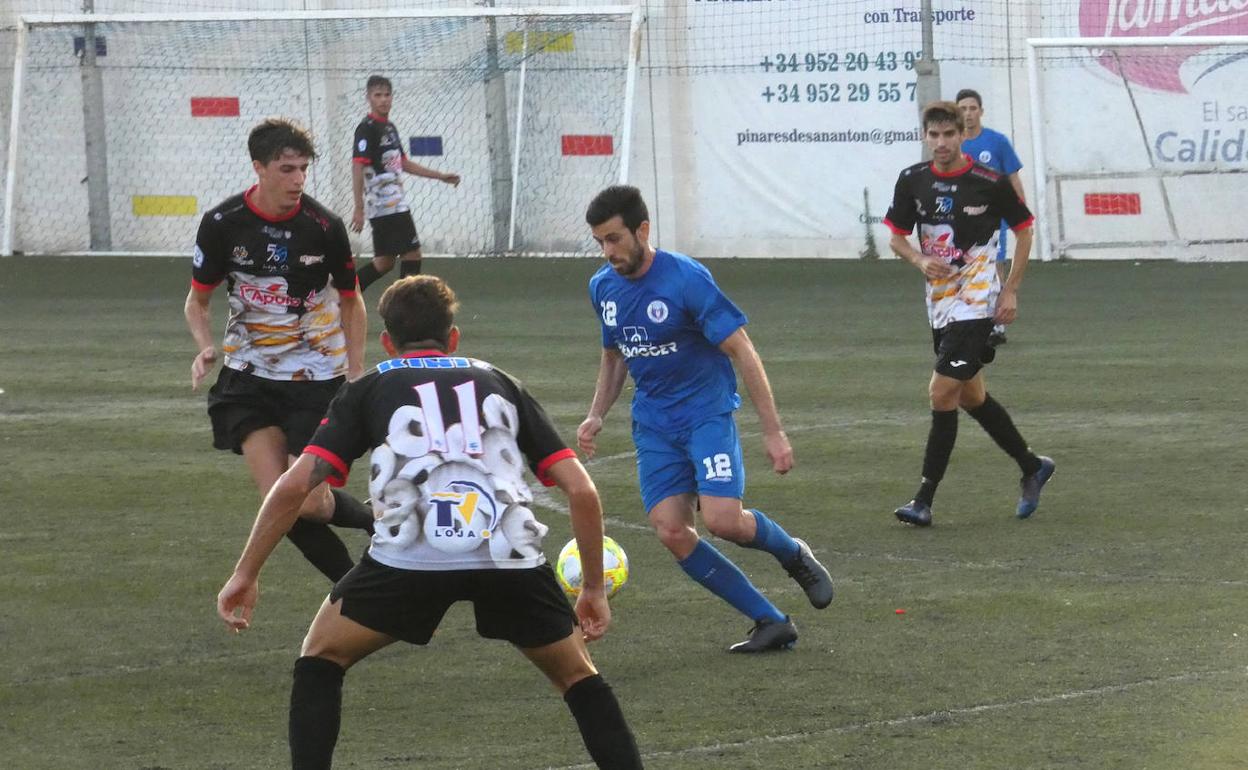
<point x="932" y="716"/>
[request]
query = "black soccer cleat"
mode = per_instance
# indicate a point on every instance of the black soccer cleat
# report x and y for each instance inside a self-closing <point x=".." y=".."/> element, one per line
<point x="1030" y="486"/>
<point x="916" y="513"/>
<point x="812" y="576"/>
<point x="767" y="635"/>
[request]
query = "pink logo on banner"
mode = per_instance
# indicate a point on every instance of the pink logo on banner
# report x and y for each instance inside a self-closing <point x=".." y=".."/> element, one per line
<point x="1159" y="18"/>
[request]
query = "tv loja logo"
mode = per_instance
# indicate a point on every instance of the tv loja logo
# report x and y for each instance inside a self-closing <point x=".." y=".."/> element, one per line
<point x="1161" y="18"/>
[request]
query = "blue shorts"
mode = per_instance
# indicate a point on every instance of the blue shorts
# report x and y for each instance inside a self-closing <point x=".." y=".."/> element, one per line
<point x="705" y="459"/>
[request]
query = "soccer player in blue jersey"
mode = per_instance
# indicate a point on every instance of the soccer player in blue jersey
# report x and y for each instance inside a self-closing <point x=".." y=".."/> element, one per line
<point x="992" y="149"/>
<point x="666" y="322"/>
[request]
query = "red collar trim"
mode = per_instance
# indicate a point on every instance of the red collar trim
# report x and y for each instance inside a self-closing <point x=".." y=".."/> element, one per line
<point x="423" y="354"/>
<point x="247" y="199"/>
<point x="377" y="117"/>
<point x="958" y="172"/>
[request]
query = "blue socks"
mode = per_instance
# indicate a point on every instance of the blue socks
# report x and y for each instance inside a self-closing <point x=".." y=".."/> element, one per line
<point x="712" y="570"/>
<point x="772" y="538"/>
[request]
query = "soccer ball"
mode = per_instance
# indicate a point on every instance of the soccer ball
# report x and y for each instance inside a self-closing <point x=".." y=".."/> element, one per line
<point x="614" y="568"/>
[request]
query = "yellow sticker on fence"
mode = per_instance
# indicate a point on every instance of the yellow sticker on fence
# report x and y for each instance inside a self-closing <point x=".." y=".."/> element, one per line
<point x="164" y="205"/>
<point x="541" y="42"/>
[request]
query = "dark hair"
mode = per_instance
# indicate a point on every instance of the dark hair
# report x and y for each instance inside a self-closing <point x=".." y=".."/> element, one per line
<point x="969" y="93"/>
<point x="274" y="136"/>
<point x="943" y="112"/>
<point x="418" y="309"/>
<point x="377" y="81"/>
<point x="618" y="200"/>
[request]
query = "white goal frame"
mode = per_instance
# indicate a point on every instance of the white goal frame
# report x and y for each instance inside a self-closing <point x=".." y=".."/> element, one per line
<point x="1043" y="243"/>
<point x="26" y="22"/>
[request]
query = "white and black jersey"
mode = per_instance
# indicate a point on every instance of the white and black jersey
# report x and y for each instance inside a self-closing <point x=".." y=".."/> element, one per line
<point x="450" y="438"/>
<point x="284" y="278"/>
<point x="958" y="214"/>
<point x="379" y="149"/>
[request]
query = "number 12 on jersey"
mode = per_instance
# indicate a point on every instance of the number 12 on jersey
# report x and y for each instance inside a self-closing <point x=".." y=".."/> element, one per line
<point x="718" y="466"/>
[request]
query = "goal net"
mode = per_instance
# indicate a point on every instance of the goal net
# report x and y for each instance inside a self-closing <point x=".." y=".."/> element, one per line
<point x="129" y="127"/>
<point x="1141" y="146"/>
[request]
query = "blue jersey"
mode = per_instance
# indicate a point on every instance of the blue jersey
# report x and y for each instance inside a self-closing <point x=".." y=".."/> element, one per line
<point x="993" y="150"/>
<point x="668" y="325"/>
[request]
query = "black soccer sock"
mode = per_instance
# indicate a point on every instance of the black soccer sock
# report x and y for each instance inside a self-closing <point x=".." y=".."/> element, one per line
<point x="366" y="275"/>
<point x="606" y="734"/>
<point x="349" y="512"/>
<point x="940" y="440"/>
<point x="996" y="421"/>
<point x="409" y="267"/>
<point x="315" y="713"/>
<point x="319" y="545"/>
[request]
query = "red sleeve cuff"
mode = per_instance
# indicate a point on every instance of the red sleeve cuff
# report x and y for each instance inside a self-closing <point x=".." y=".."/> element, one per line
<point x="348" y="292"/>
<point x="335" y="479"/>
<point x="362" y="161"/>
<point x="1030" y="221"/>
<point x="544" y="465"/>
<point x="895" y="228"/>
<point x="201" y="286"/>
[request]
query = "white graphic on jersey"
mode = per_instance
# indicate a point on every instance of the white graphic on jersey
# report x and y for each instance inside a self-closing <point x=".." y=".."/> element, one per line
<point x="281" y="337"/>
<point x="383" y="191"/>
<point x="436" y="501"/>
<point x="974" y="211"/>
<point x="985" y="157"/>
<point x="657" y="311"/>
<point x="944" y="204"/>
<point x="608" y="312"/>
<point x="197" y="259"/>
<point x="969" y="294"/>
<point x="362" y="146"/>
<point x="636" y="334"/>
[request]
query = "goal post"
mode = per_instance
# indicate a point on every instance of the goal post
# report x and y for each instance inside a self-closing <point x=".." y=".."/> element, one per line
<point x="531" y="106"/>
<point x="1140" y="146"/>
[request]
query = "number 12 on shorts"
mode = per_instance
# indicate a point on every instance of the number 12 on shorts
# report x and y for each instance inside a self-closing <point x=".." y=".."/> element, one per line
<point x="718" y="466"/>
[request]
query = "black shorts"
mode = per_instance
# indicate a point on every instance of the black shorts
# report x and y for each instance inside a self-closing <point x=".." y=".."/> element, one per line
<point x="240" y="403"/>
<point x="523" y="606"/>
<point x="394" y="235"/>
<point x="960" y="348"/>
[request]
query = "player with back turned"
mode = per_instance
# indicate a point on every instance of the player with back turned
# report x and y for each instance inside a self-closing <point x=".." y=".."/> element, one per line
<point x="957" y="205"/>
<point x="449" y="438"/>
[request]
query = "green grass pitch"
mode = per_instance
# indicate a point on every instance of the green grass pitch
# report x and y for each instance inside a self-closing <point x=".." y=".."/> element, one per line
<point x="1109" y="631"/>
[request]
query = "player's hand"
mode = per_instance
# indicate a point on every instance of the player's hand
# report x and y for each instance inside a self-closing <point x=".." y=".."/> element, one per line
<point x="357" y="220"/>
<point x="779" y="451"/>
<point x="202" y="366"/>
<point x="594" y="613"/>
<point x="1007" y="307"/>
<point x="451" y="179"/>
<point x="586" y="434"/>
<point x="239" y="594"/>
<point x="935" y="269"/>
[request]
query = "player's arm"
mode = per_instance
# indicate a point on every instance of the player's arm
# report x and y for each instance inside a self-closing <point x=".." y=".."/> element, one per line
<point x="745" y="358"/>
<point x="355" y="329"/>
<point x="612" y="371"/>
<point x="586" y="514"/>
<point x="276" y="516"/>
<point x="415" y="169"/>
<point x="931" y="267"/>
<point x="1007" y="301"/>
<point x="357" y="195"/>
<point x="199" y="321"/>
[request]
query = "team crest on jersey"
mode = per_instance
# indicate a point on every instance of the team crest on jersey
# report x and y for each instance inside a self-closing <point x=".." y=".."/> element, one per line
<point x="239" y="256"/>
<point x="657" y="311"/>
<point x="197" y="259"/>
<point x="461" y="516"/>
<point x="363" y="145"/>
<point x="985" y="156"/>
<point x="944" y="204"/>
